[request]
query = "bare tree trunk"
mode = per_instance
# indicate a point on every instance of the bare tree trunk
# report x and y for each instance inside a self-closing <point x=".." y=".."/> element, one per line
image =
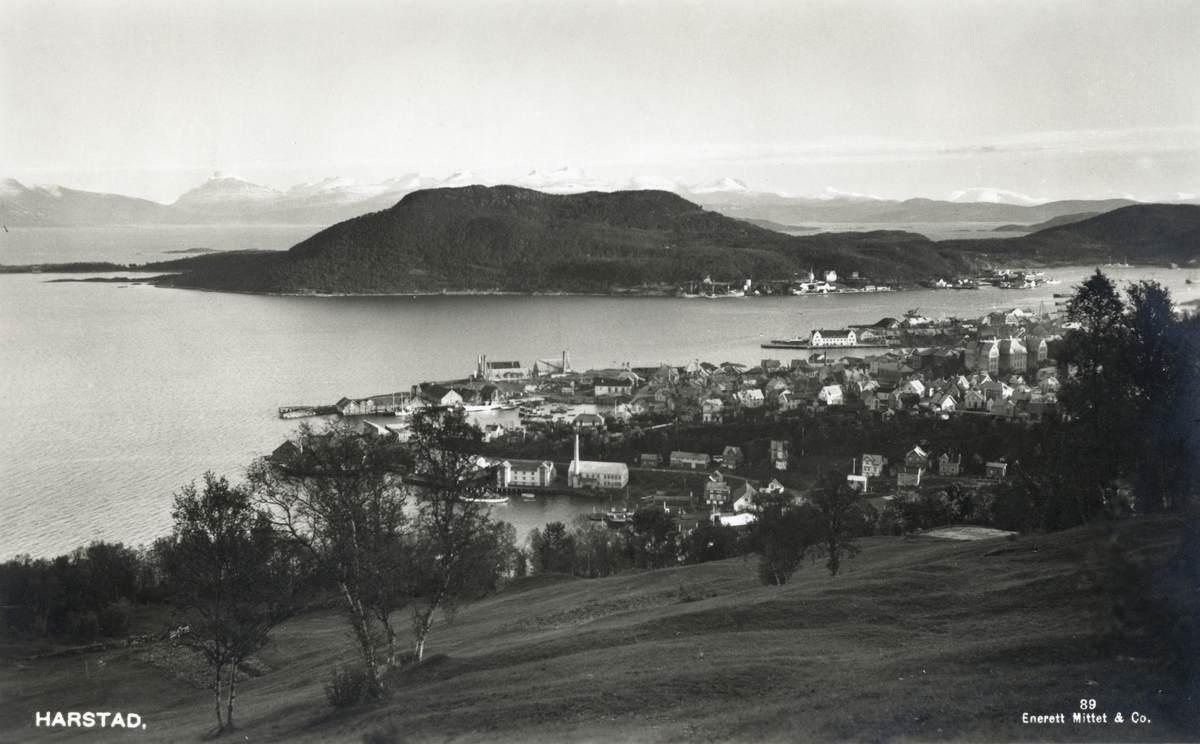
<point x="362" y="632"/>
<point x="232" y="683"/>
<point x="422" y="622"/>
<point x="391" y="640"/>
<point x="220" y="723"/>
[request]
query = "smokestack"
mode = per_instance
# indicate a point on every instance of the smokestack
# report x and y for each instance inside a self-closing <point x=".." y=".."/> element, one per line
<point x="566" y="361"/>
<point x="576" y="453"/>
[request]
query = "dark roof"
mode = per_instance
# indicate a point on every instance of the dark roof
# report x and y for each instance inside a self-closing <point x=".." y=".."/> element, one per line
<point x="435" y="392"/>
<point x="614" y="382"/>
<point x="528" y="465"/>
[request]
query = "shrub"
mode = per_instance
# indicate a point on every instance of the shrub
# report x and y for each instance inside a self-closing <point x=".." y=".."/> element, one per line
<point x="114" y="619"/>
<point x="84" y="626"/>
<point x="346" y="687"/>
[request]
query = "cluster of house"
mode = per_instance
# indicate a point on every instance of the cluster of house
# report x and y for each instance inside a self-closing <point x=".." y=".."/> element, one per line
<point x="734" y="507"/>
<point x="908" y="470"/>
<point x="1002" y="365"/>
<point x="515" y="474"/>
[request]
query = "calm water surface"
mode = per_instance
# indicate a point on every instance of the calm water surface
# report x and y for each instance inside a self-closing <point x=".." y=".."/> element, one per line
<point x="113" y="397"/>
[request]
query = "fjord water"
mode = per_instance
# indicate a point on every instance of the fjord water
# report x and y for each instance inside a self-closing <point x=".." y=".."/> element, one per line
<point x="114" y="396"/>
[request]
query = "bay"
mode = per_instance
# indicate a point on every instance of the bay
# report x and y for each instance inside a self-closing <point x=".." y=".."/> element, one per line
<point x="115" y="396"/>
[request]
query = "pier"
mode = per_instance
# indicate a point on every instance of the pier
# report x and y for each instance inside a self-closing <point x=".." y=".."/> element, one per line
<point x="293" y="412"/>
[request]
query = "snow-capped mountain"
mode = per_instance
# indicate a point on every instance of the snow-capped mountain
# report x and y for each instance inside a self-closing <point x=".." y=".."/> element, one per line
<point x="993" y="196"/>
<point x="27" y="206"/>
<point x="226" y="188"/>
<point x="724" y="185"/>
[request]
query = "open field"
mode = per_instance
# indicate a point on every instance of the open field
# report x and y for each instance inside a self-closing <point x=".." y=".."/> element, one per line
<point x="921" y="638"/>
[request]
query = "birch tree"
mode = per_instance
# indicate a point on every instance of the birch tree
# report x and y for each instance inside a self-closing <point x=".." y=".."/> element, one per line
<point x="227" y="575"/>
<point x="458" y="551"/>
<point x="341" y="499"/>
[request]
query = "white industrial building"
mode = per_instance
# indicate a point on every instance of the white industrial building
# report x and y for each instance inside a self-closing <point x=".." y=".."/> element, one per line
<point x="593" y="474"/>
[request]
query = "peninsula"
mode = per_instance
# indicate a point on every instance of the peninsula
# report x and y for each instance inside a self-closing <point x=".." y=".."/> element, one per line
<point x="510" y="239"/>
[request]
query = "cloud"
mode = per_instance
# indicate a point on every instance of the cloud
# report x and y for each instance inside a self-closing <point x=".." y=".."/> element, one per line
<point x="1142" y="142"/>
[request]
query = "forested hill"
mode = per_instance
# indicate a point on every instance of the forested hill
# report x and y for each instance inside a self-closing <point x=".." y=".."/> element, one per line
<point x="505" y="238"/>
<point x="513" y="239"/>
<point x="1142" y="233"/>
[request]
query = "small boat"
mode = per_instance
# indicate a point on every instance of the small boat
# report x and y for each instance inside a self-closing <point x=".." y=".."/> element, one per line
<point x="616" y="517"/>
<point x="482" y="408"/>
<point x="788" y="343"/>
<point x="490" y="498"/>
<point x="528" y="497"/>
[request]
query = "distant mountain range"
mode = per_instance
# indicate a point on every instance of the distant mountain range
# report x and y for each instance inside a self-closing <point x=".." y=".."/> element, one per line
<point x="226" y="199"/>
<point x="505" y="238"/>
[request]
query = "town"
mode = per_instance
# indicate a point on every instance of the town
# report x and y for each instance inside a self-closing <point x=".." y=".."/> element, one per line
<point x="728" y="429"/>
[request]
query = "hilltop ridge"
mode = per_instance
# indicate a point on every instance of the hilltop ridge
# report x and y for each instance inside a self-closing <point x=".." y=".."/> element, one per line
<point x="511" y="239"/>
<point x="506" y="238"/>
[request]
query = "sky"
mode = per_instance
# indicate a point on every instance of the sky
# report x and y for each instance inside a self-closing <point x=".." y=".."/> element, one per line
<point x="1052" y="99"/>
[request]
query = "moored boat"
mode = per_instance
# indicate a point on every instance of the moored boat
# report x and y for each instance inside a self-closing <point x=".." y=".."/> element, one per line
<point x="616" y="517"/>
<point x="490" y="498"/>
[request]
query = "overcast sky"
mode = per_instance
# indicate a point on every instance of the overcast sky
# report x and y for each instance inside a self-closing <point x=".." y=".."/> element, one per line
<point x="1050" y="99"/>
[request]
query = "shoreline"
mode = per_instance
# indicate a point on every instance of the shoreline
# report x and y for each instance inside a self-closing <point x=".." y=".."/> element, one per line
<point x="151" y="277"/>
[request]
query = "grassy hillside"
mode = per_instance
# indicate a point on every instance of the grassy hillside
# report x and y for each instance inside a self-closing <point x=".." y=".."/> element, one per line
<point x="920" y="639"/>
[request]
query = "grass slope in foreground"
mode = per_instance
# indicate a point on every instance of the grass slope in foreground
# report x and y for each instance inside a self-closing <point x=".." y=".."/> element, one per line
<point x="920" y="639"/>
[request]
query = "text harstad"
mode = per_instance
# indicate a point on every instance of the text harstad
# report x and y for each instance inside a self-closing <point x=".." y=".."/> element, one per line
<point x="89" y="719"/>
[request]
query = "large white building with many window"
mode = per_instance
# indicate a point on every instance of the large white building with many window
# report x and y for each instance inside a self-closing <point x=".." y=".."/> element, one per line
<point x="833" y="338"/>
<point x="520" y="473"/>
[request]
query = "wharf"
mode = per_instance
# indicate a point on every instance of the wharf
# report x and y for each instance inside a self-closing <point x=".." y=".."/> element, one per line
<point x="292" y="412"/>
<point x="801" y="344"/>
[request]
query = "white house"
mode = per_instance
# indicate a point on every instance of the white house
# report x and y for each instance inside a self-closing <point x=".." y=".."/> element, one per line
<point x="712" y="411"/>
<point x="744" y="497"/>
<point x="831" y="395"/>
<point x="752" y="398"/>
<point x="872" y="465"/>
<point x="520" y="473"/>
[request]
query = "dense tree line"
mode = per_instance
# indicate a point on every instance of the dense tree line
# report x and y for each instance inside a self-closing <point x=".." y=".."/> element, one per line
<point x="1128" y="438"/>
<point x="83" y="596"/>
